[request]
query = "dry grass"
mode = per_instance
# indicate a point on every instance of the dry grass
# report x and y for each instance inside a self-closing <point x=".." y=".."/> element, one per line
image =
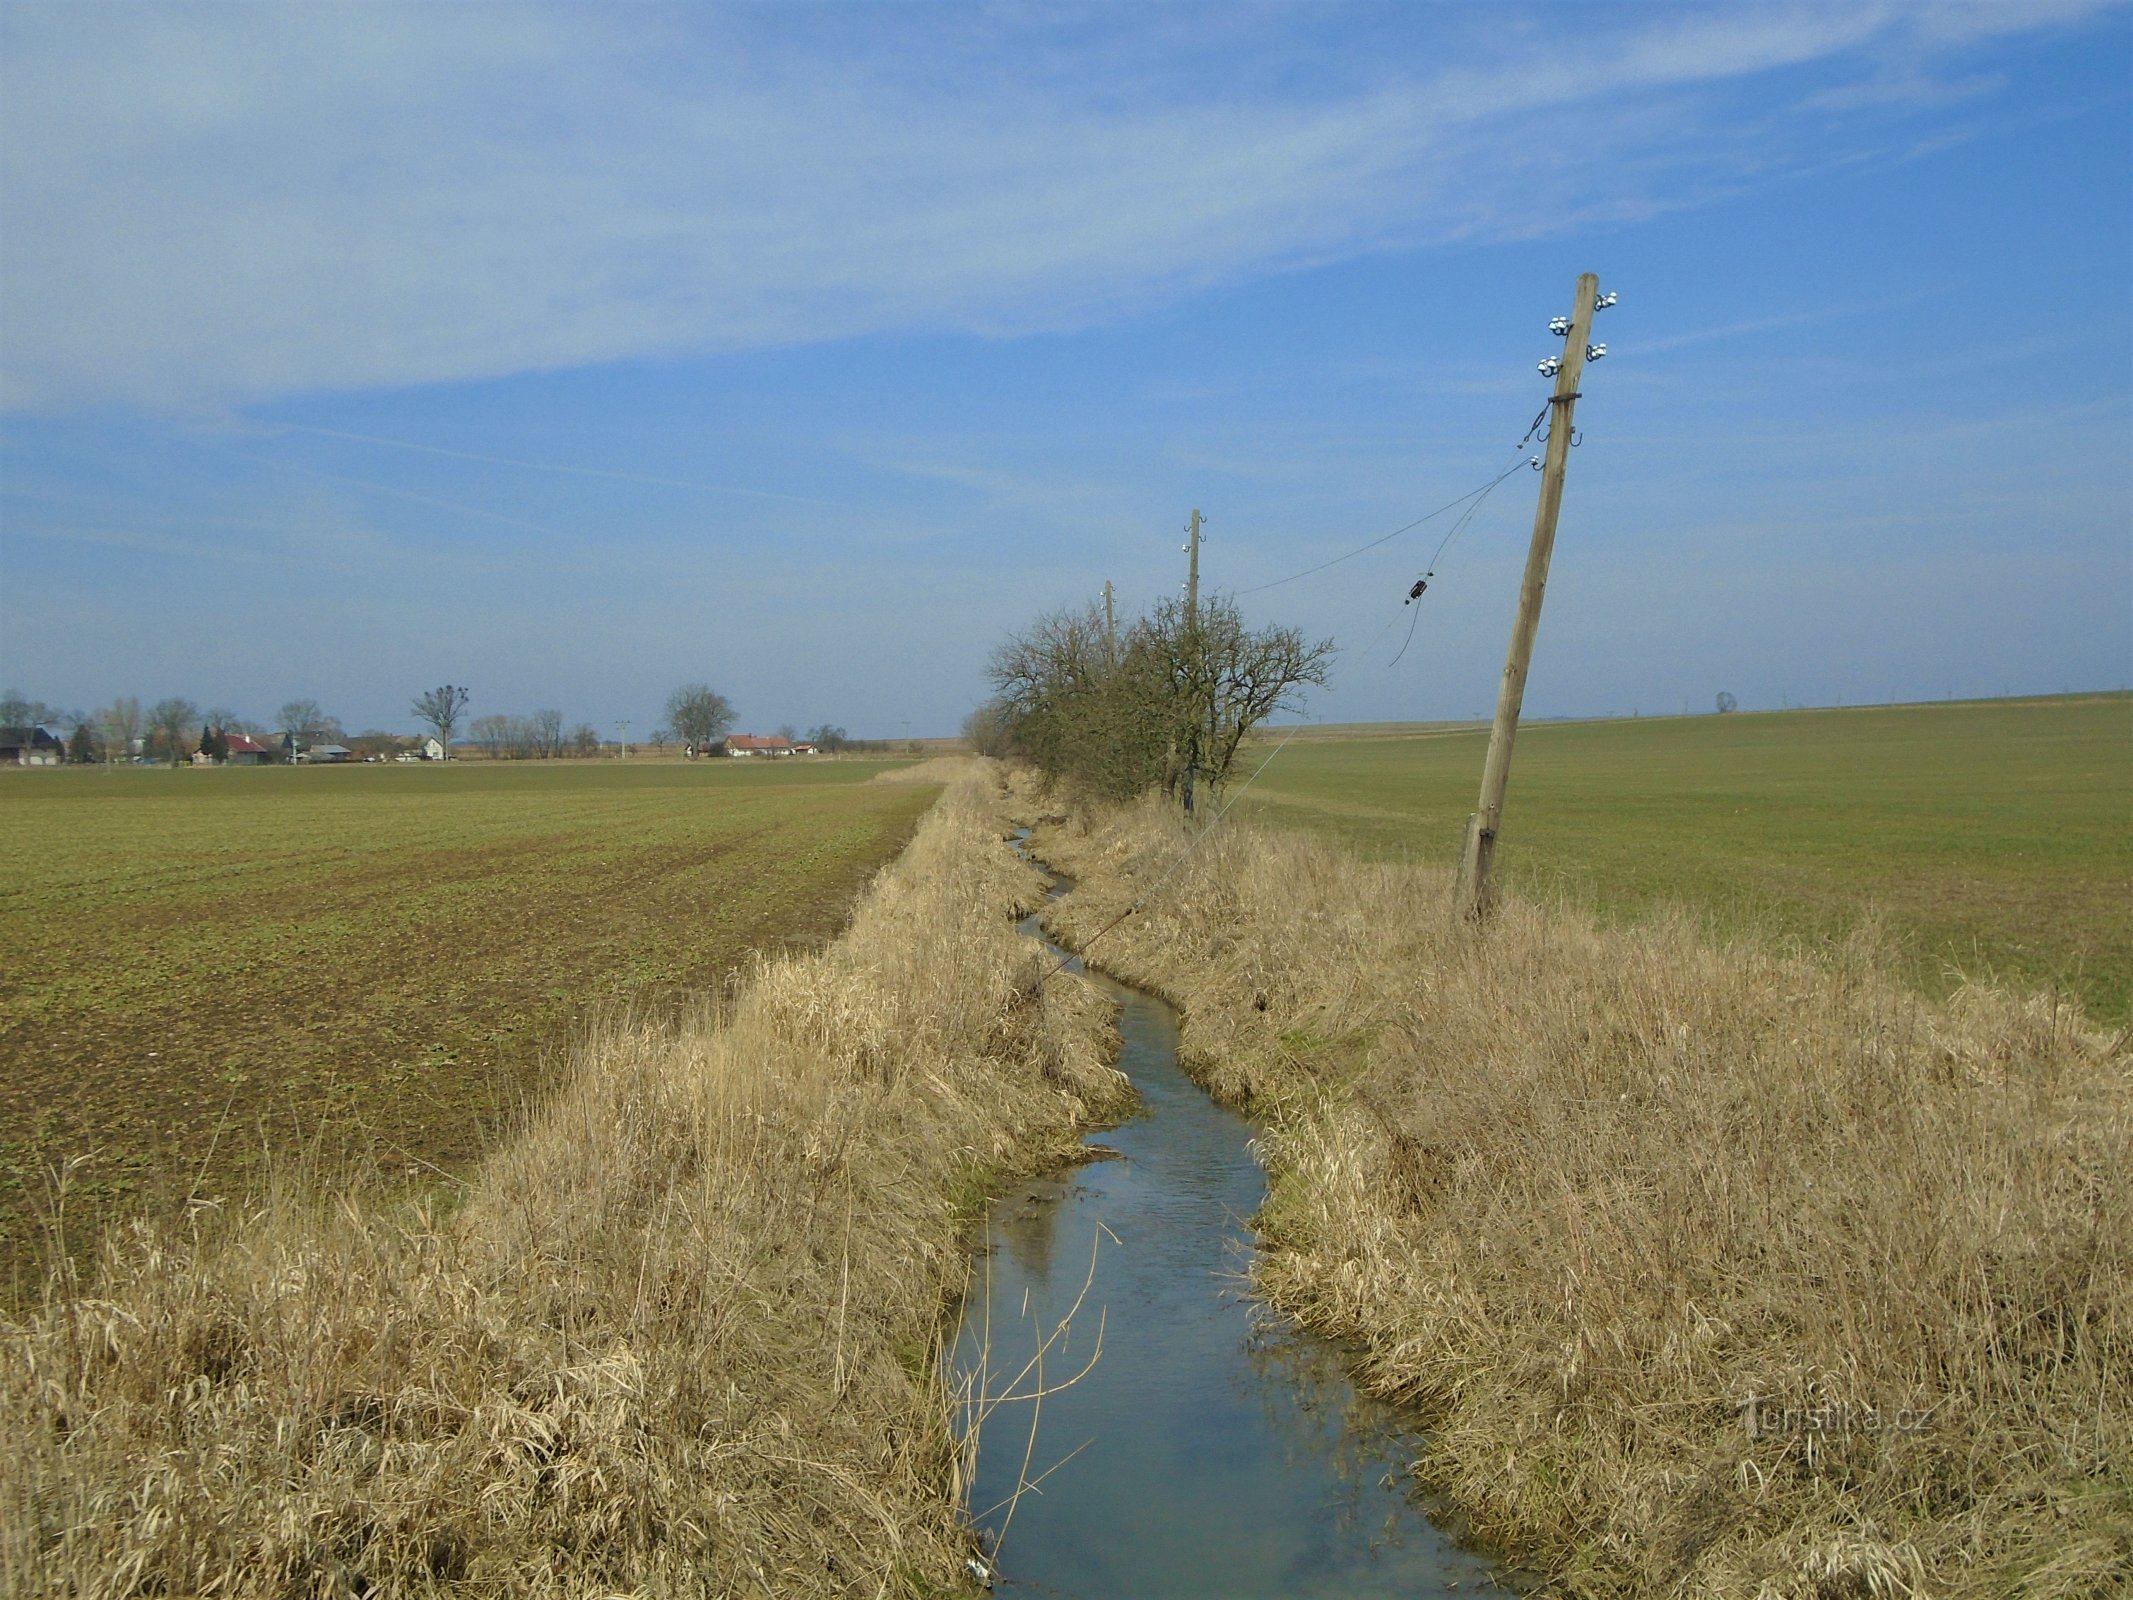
<point x="1587" y="1194"/>
<point x="678" y="1338"/>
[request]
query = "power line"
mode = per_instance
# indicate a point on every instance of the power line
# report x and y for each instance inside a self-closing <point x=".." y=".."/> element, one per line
<point x="1451" y="505"/>
<point x="1422" y="582"/>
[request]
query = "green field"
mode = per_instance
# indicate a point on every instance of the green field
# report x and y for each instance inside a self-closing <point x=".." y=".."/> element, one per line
<point x="383" y="958"/>
<point x="1994" y="839"/>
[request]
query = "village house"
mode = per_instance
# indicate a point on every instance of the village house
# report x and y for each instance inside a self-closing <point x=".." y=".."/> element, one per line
<point x="757" y="744"/>
<point x="31" y="747"/>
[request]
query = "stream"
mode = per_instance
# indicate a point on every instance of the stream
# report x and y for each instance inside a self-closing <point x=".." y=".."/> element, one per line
<point x="1189" y="1441"/>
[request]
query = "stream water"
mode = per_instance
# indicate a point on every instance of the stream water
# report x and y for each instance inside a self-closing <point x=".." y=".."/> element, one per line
<point x="1202" y="1446"/>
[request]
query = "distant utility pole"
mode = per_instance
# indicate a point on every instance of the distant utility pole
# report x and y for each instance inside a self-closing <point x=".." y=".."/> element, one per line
<point x="1192" y="581"/>
<point x="1192" y="640"/>
<point x="1110" y="627"/>
<point x="625" y="738"/>
<point x="1473" y="896"/>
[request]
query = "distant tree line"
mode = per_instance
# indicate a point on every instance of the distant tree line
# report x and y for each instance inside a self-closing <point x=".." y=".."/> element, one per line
<point x="538" y="737"/>
<point x="1165" y="704"/>
<point x="174" y="729"/>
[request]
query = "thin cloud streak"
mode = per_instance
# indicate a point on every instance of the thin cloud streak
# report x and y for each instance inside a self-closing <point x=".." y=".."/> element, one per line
<point x="392" y="491"/>
<point x="547" y="466"/>
<point x="209" y="208"/>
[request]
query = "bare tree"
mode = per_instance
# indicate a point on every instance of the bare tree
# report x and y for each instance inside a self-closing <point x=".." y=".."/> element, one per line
<point x="1169" y="709"/>
<point x="988" y="730"/>
<point x="585" y="740"/>
<point x="547" y="733"/>
<point x="1108" y="725"/>
<point x="492" y="732"/>
<point x="441" y="709"/>
<point x="169" y="722"/>
<point x="1226" y="678"/>
<point x="120" y="722"/>
<point x="17" y="710"/>
<point x="1726" y="702"/>
<point x="698" y="714"/>
<point x="304" y="718"/>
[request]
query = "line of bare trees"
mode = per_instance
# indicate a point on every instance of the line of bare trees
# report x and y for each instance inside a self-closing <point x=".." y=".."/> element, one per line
<point x="1165" y="705"/>
<point x="538" y="737"/>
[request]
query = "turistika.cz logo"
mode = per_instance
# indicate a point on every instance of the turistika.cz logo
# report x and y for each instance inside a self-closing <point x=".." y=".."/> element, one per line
<point x="1767" y="1416"/>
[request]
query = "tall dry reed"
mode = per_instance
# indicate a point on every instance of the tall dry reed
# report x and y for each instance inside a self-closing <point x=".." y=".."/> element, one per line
<point x="679" y="1338"/>
<point x="1714" y="1271"/>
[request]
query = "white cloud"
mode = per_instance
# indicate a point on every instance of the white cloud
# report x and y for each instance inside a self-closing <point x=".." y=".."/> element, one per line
<point x="202" y="207"/>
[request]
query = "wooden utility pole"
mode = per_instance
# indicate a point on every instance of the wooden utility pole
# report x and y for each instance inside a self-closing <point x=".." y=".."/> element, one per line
<point x="1192" y="641"/>
<point x="1110" y="627"/>
<point x="1474" y="897"/>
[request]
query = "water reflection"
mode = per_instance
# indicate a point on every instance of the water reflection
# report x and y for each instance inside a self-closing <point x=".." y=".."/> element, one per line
<point x="1186" y="1442"/>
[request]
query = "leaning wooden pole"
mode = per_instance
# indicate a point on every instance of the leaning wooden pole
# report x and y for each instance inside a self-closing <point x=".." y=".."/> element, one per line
<point x="1474" y="896"/>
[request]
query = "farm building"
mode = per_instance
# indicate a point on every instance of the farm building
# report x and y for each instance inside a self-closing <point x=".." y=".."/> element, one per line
<point x="328" y="754"/>
<point x="31" y="747"/>
<point x="757" y="744"/>
<point x="246" y="751"/>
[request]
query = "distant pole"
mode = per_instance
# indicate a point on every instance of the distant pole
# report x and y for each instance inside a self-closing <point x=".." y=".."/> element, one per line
<point x="1192" y="580"/>
<point x="1192" y="643"/>
<point x="1110" y="627"/>
<point x="625" y="738"/>
<point x="1473" y="896"/>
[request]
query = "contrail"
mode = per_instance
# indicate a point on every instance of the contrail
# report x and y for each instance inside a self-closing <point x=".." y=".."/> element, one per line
<point x="544" y="466"/>
<point x="405" y="494"/>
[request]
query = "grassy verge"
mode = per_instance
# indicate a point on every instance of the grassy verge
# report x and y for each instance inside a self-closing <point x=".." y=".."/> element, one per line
<point x="206" y="964"/>
<point x="1713" y="1272"/>
<point x="1989" y="840"/>
<point x="680" y="1337"/>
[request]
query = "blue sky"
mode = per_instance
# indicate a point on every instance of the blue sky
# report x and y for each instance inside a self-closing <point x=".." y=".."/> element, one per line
<point x="571" y="353"/>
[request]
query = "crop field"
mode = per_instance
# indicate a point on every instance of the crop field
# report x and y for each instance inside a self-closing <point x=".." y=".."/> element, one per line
<point x="202" y="965"/>
<point x="1990" y="839"/>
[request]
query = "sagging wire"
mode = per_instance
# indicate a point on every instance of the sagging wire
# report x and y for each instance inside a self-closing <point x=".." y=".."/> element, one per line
<point x="1451" y="505"/>
<point x="1421" y="584"/>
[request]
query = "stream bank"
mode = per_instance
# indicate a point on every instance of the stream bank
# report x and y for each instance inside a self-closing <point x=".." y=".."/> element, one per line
<point x="1187" y="1442"/>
